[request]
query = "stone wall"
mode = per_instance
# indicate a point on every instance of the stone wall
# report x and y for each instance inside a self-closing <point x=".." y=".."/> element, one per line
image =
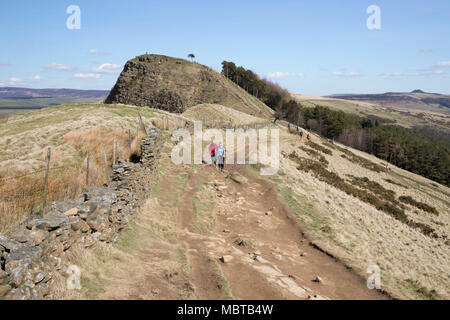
<point x="37" y="248"/>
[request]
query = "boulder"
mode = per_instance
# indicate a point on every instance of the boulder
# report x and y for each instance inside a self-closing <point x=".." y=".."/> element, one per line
<point x="31" y="237"/>
<point x="25" y="254"/>
<point x="87" y="207"/>
<point x="318" y="279"/>
<point x="226" y="259"/>
<point x="238" y="178"/>
<point x="96" y="221"/>
<point x="51" y="223"/>
<point x="71" y="212"/>
<point x="9" y="244"/>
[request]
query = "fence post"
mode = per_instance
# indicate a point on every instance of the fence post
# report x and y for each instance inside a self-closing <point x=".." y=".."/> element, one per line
<point x="106" y="159"/>
<point x="114" y="152"/>
<point x="141" y="124"/>
<point x="47" y="168"/>
<point x="129" y="137"/>
<point x="118" y="152"/>
<point x="87" y="169"/>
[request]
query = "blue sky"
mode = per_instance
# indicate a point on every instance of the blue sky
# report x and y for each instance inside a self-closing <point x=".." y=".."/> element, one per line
<point x="313" y="47"/>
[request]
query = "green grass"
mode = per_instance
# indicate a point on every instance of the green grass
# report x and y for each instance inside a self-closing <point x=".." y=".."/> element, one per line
<point x="422" y="292"/>
<point x="203" y="204"/>
<point x="129" y="240"/>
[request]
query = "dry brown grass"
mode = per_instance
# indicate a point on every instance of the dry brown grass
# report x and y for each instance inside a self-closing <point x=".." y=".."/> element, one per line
<point x="350" y="227"/>
<point x="24" y="195"/>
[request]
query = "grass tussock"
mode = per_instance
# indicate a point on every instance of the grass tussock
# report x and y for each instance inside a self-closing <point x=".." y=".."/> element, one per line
<point x="315" y="154"/>
<point x="363" y="162"/>
<point x="423" y="292"/>
<point x="318" y="147"/>
<point x="374" y="187"/>
<point x="420" y="205"/>
<point x="395" y="183"/>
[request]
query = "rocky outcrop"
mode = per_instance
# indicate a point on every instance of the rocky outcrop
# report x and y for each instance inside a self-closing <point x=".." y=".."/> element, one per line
<point x="37" y="248"/>
<point x="174" y="85"/>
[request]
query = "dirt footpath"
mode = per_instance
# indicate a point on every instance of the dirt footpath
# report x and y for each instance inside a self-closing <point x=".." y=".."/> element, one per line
<point x="251" y="248"/>
<point x="266" y="253"/>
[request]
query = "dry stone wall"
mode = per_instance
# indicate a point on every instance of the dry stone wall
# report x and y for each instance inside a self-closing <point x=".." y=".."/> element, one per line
<point x="37" y="248"/>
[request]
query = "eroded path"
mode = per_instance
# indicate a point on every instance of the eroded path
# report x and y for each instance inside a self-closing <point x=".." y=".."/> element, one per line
<point x="269" y="258"/>
<point x="202" y="235"/>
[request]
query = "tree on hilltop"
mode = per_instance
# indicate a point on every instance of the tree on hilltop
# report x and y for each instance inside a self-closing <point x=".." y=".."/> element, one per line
<point x="191" y="56"/>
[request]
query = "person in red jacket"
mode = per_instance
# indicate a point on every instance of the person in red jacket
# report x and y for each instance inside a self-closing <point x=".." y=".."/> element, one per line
<point x="212" y="152"/>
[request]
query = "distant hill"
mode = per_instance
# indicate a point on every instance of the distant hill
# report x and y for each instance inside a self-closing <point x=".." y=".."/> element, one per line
<point x="415" y="100"/>
<point x="23" y="93"/>
<point x="176" y="84"/>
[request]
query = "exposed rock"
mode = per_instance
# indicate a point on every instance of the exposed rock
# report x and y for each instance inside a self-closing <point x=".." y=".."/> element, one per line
<point x="9" y="244"/>
<point x="3" y="276"/>
<point x="31" y="237"/>
<point x="318" y="279"/>
<point x="71" y="212"/>
<point x="96" y="221"/>
<point x="51" y="223"/>
<point x="39" y="276"/>
<point x="4" y="289"/>
<point x="238" y="178"/>
<point x="226" y="259"/>
<point x="25" y="254"/>
<point x="87" y="207"/>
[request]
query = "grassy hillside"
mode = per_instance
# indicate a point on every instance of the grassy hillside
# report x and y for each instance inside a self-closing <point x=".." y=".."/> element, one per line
<point x="365" y="211"/>
<point x="394" y="114"/>
<point x="175" y="85"/>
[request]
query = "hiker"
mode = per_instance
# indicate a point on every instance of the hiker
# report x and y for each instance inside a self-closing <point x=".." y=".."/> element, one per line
<point x="297" y="128"/>
<point x="212" y="152"/>
<point x="289" y="125"/>
<point x="301" y="134"/>
<point x="308" y="137"/>
<point x="220" y="156"/>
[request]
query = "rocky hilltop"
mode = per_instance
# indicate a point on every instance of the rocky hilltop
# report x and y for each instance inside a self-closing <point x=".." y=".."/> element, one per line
<point x="176" y="84"/>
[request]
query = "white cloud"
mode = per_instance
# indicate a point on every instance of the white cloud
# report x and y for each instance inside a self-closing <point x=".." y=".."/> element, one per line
<point x="36" y="77"/>
<point x="426" y="50"/>
<point x="107" y="68"/>
<point x="87" y="76"/>
<point x="279" y="74"/>
<point x="14" y="81"/>
<point x="5" y="64"/>
<point x="346" y="74"/>
<point x="102" y="53"/>
<point x="443" y="64"/>
<point x="59" y="67"/>
<point x="413" y="74"/>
